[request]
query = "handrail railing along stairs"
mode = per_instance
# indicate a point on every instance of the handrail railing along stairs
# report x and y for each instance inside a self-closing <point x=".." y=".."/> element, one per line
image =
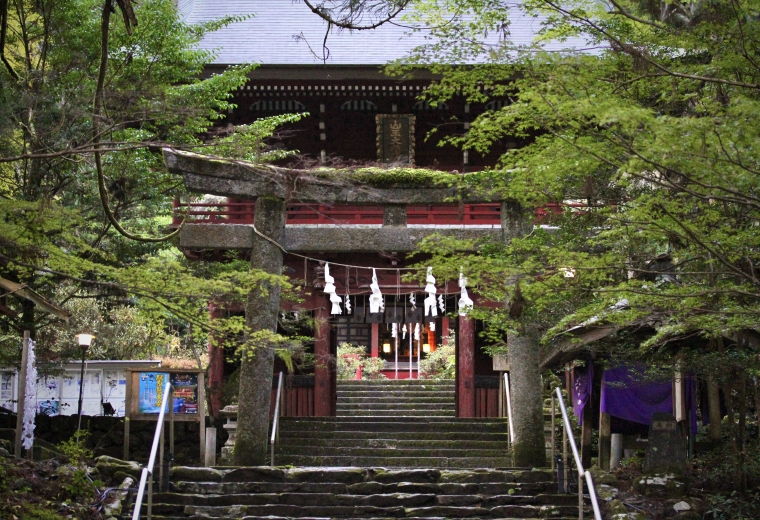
<point x="582" y="473"/>
<point x="275" y="438"/>
<point x="158" y="439"/>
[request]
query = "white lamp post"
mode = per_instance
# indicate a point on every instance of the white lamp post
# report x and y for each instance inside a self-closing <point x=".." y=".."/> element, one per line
<point x="84" y="340"/>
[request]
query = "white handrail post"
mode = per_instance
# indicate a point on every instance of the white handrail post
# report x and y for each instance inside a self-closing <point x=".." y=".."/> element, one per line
<point x="275" y="438"/>
<point x="582" y="473"/>
<point x="554" y="430"/>
<point x="509" y="409"/>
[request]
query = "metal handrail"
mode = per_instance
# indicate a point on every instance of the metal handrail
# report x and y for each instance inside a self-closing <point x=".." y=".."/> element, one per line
<point x="148" y="470"/>
<point x="509" y="409"/>
<point x="582" y="473"/>
<point x="275" y="422"/>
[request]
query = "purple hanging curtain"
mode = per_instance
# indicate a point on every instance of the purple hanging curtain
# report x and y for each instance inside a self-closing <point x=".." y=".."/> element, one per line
<point x="582" y="387"/>
<point x="625" y="395"/>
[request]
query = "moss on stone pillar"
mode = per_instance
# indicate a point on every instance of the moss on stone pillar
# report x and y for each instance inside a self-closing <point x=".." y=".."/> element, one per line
<point x="261" y="310"/>
<point x="527" y="407"/>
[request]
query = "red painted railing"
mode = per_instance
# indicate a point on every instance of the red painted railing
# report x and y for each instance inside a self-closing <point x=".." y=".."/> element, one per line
<point x="213" y="213"/>
<point x="236" y="212"/>
<point x="334" y="214"/>
<point x="468" y="214"/>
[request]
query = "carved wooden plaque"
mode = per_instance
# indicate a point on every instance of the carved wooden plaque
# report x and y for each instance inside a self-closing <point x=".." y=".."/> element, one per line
<point x="395" y="138"/>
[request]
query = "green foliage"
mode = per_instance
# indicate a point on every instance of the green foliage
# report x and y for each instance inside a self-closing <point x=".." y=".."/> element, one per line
<point x="351" y="358"/>
<point x="647" y="139"/>
<point x="440" y="363"/>
<point x="79" y="486"/>
<point x="36" y="512"/>
<point x="733" y="506"/>
<point x="75" y="449"/>
<point x="139" y="298"/>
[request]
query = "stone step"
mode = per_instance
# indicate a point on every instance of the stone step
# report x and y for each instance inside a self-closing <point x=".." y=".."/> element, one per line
<point x="395" y="462"/>
<point x="398" y="498"/>
<point x="396" y="405"/>
<point x="356" y="475"/>
<point x="395" y="413"/>
<point x="391" y="424"/>
<point x="251" y="517"/>
<point x="357" y="436"/>
<point x="400" y="443"/>
<point x="347" y="511"/>
<point x="350" y="451"/>
<point x="477" y="420"/>
<point x="369" y="397"/>
<point x="364" y="488"/>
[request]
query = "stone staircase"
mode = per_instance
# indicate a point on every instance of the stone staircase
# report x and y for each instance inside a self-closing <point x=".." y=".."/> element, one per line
<point x="321" y="493"/>
<point x="404" y="423"/>
<point x="366" y="463"/>
<point x="396" y="398"/>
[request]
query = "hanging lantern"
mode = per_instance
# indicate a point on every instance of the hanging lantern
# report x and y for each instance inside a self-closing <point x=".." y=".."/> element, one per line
<point x="387" y="348"/>
<point x="465" y="303"/>
<point x="330" y="289"/>
<point x="426" y="348"/>
<point x="376" y="298"/>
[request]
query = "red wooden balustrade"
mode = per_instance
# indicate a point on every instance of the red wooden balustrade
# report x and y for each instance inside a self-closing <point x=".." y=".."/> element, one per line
<point x="242" y="213"/>
<point x="237" y="212"/>
<point x="334" y="214"/>
<point x="467" y="214"/>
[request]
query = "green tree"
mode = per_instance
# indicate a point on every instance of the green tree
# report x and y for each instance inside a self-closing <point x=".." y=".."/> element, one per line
<point x="87" y="101"/>
<point x="643" y="115"/>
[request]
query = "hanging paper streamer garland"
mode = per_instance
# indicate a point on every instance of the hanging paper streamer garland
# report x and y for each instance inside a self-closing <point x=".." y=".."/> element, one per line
<point x="413" y="301"/>
<point x="441" y="303"/>
<point x="348" y="295"/>
<point x="465" y="303"/>
<point x="30" y="408"/>
<point x="416" y="331"/>
<point x="330" y="289"/>
<point x="394" y="330"/>
<point x="403" y="331"/>
<point x="430" y="308"/>
<point x="376" y="298"/>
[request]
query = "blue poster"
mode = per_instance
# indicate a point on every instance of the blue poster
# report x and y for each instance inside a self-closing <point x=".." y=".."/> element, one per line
<point x="151" y="392"/>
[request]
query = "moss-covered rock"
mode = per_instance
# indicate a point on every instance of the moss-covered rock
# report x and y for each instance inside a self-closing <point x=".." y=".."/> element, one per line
<point x="664" y="485"/>
<point x="109" y="466"/>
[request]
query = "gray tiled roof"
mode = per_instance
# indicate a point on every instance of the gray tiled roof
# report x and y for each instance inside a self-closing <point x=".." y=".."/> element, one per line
<point x="286" y="32"/>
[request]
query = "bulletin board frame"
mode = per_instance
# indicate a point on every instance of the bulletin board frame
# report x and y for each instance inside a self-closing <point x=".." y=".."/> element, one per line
<point x="132" y="405"/>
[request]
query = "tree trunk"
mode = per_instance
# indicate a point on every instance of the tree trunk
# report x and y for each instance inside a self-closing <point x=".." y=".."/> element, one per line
<point x="527" y="407"/>
<point x="757" y="399"/>
<point x="713" y="403"/>
<point x="256" y="368"/>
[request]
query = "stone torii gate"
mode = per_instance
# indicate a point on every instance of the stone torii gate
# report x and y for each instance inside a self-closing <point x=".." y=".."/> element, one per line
<point x="271" y="187"/>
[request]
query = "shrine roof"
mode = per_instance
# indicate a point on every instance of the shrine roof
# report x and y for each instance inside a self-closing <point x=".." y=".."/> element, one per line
<point x="286" y="32"/>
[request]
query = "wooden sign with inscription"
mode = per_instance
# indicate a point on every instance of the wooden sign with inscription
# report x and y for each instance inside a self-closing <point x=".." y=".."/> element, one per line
<point x="395" y="138"/>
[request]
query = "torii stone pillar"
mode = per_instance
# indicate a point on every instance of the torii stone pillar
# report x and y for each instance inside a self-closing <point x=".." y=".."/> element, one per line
<point x="261" y="311"/>
<point x="529" y="444"/>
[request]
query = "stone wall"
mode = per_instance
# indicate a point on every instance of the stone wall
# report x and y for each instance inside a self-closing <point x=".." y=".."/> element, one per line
<point x="107" y="436"/>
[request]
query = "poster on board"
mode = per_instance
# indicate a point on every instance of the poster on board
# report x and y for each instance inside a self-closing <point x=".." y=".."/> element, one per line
<point x="150" y="392"/>
<point x="185" y="393"/>
<point x="115" y="384"/>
